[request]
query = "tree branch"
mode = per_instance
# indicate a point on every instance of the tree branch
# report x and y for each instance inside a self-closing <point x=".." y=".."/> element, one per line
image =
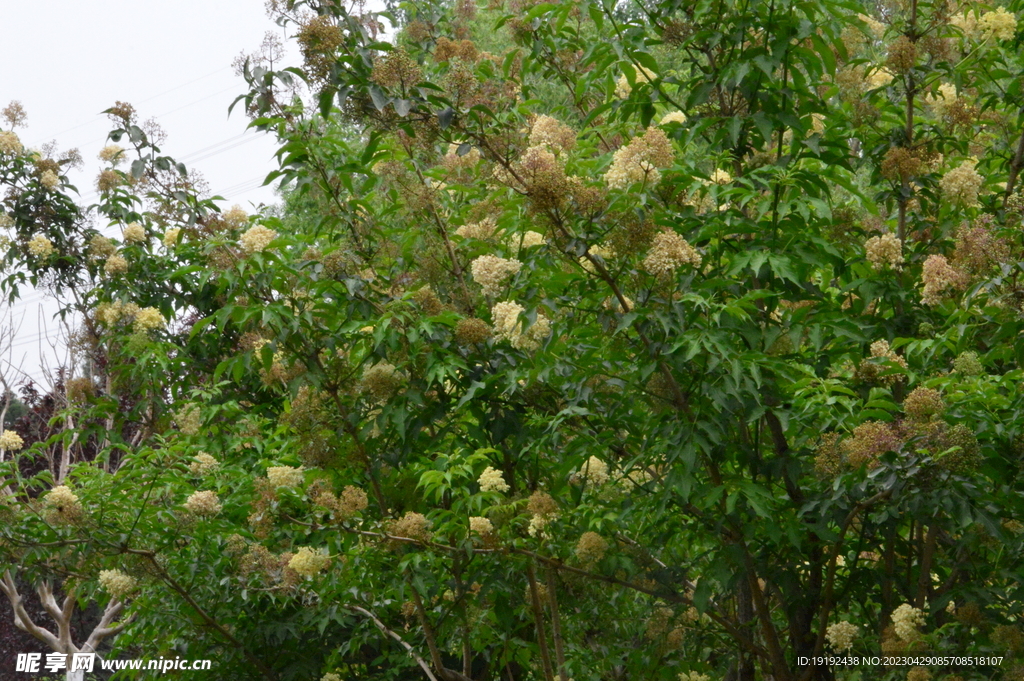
<point x="380" y="625"/>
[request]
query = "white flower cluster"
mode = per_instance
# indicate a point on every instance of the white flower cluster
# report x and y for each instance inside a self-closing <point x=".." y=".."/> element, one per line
<point x="962" y="184"/>
<point x="906" y="619"/>
<point x="257" y="238"/>
<point x="11" y="441"/>
<point x="204" y="463"/>
<point x="553" y="133"/>
<point x="114" y="265"/>
<point x="669" y="251"/>
<point x="531" y="239"/>
<point x="673" y="117"/>
<point x="40" y="246"/>
<point x="998" y="24"/>
<point x="939" y="104"/>
<point x="286" y="476"/>
<point x="884" y="250"/>
<point x="640" y="160"/>
<point x="878" y="78"/>
<point x="623" y="88"/>
<point x="491" y="480"/>
<point x="477" y="230"/>
<point x="842" y="635"/>
<point x="603" y="251"/>
<point x="490" y="272"/>
<point x="308" y="562"/>
<point x="204" y="504"/>
<point x="9" y="143"/>
<point x="112" y="154"/>
<point x="693" y="676"/>
<point x="148" y="319"/>
<point x="507" y="326"/>
<point x="134" y="233"/>
<point x="595" y="471"/>
<point x="49" y="179"/>
<point x="480" y="525"/>
<point x="117" y="584"/>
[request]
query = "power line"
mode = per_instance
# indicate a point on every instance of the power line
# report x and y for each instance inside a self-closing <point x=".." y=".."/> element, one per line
<point x="149" y="99"/>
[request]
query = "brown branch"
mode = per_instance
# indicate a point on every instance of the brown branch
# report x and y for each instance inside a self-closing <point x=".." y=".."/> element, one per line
<point x="924" y="576"/>
<point x="538" y="618"/>
<point x="428" y="632"/>
<point x="205" y="616"/>
<point x="380" y="625"/>
<point x="556" y="625"/>
<point x="830" y="576"/>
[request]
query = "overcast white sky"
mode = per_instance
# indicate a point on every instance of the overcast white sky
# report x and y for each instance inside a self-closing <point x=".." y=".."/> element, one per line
<point x="68" y="60"/>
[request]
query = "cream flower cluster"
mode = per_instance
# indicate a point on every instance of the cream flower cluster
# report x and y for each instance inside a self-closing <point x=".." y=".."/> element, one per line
<point x="49" y="179"/>
<point x="117" y="584"/>
<point x="640" y="160"/>
<point x="40" y="246"/>
<point x="507" y="326"/>
<point x="9" y="143"/>
<point x="412" y="526"/>
<point x="112" y="153"/>
<point x="110" y="314"/>
<point x="204" y="504"/>
<point x="286" y="476"/>
<point x="134" y="233"/>
<point x="693" y="676"/>
<point x="204" y="463"/>
<point x="720" y="177"/>
<point x="669" y="251"/>
<point x="477" y="230"/>
<point x="938" y="276"/>
<point x="963" y="183"/>
<point x="62" y="504"/>
<point x="622" y="86"/>
<point x="998" y="24"/>
<point x="189" y="419"/>
<point x="257" y="238"/>
<point x="453" y="162"/>
<point x="939" y="104"/>
<point x="906" y="619"/>
<point x="491" y="480"/>
<point x="11" y="441"/>
<point x="595" y="471"/>
<point x="148" y="319"/>
<point x="115" y="264"/>
<point x="308" y="562"/>
<point x="591" y="548"/>
<point x="673" y="117"/>
<point x="880" y="77"/>
<point x="171" y="236"/>
<point x="884" y="251"/>
<point x="490" y="272"/>
<point x="531" y="239"/>
<point x="480" y="525"/>
<point x="841" y="636"/>
<point x="876" y="27"/>
<point x="603" y="251"/>
<point x="880" y="350"/>
<point x="552" y="133"/>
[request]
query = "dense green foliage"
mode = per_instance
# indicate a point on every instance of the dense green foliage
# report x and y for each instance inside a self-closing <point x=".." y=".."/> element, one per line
<point x="597" y="341"/>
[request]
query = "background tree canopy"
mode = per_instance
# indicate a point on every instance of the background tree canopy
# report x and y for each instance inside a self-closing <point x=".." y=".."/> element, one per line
<point x="592" y="340"/>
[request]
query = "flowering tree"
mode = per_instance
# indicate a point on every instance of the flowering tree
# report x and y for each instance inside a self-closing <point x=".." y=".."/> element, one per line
<point x="593" y="340"/>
